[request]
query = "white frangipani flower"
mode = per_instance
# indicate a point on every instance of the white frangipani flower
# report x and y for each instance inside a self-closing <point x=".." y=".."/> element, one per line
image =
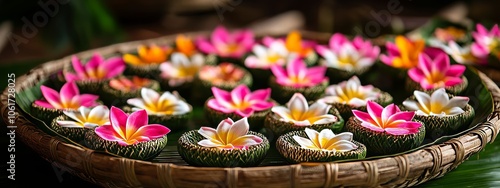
<point x="86" y="117"/>
<point x="181" y="68"/>
<point x="265" y="57"/>
<point x="156" y="104"/>
<point x="350" y="92"/>
<point x="436" y="104"/>
<point x="326" y="140"/>
<point x="299" y="112"/>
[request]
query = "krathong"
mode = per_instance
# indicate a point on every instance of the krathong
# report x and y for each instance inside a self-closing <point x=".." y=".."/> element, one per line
<point x="69" y="97"/>
<point x="436" y="104"/>
<point x="86" y="117"/>
<point x="266" y="56"/>
<point x="224" y="73"/>
<point x="97" y="68"/>
<point x="350" y="92"/>
<point x="148" y="55"/>
<point x="155" y="103"/>
<point x="294" y="44"/>
<point x="486" y="42"/>
<point x="298" y="75"/>
<point x="130" y="129"/>
<point x="181" y="68"/>
<point x="389" y="119"/>
<point x="341" y="53"/>
<point x="437" y="72"/>
<point x="226" y="44"/>
<point x="240" y="100"/>
<point x="299" y="112"/>
<point x="326" y="140"/>
<point x="403" y="53"/>
<point x="229" y="135"/>
<point x="126" y="84"/>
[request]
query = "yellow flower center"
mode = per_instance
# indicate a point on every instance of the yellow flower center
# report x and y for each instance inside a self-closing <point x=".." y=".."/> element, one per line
<point x="436" y="78"/>
<point x="298" y="80"/>
<point x="347" y="61"/>
<point x="273" y="58"/>
<point x="164" y="107"/>
<point x="350" y="94"/>
<point x="187" y="71"/>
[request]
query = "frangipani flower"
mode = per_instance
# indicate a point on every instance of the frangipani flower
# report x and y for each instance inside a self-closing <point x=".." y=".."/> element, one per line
<point x="389" y="119"/>
<point x="265" y="57"/>
<point x="298" y="75"/>
<point x="486" y="42"/>
<point x="68" y="98"/>
<point x="449" y="34"/>
<point x="326" y="140"/>
<point x="181" y="69"/>
<point x="460" y="54"/>
<point x="436" y="104"/>
<point x="240" y="100"/>
<point x="229" y="135"/>
<point x="156" y="104"/>
<point x="185" y="45"/>
<point x="299" y="112"/>
<point x="403" y="53"/>
<point x="350" y="92"/>
<point x="346" y="55"/>
<point x="125" y="84"/>
<point x="437" y="72"/>
<point x="86" y="117"/>
<point x="96" y="69"/>
<point x="130" y="129"/>
<point x="225" y="44"/>
<point x="222" y="73"/>
<point x="148" y="55"/>
<point x="294" y="44"/>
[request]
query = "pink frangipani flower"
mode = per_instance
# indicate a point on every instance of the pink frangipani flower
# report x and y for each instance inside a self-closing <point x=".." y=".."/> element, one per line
<point x="389" y="119"/>
<point x="96" y="69"/>
<point x="240" y="100"/>
<point x="130" y="129"/>
<point x="437" y="72"/>
<point x="229" y="135"/>
<point x="227" y="44"/>
<point x="486" y="42"/>
<point x="298" y="75"/>
<point x="346" y="55"/>
<point x="68" y="98"/>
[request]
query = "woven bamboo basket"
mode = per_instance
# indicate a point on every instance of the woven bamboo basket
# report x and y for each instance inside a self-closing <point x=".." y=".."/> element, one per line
<point x="402" y="170"/>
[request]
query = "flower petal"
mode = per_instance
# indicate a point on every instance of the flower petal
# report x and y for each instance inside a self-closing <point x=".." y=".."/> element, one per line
<point x="70" y="124"/>
<point x="455" y="70"/>
<point x="345" y="136"/>
<point x="246" y="141"/>
<point x="282" y="112"/>
<point x="209" y="133"/>
<point x="313" y="136"/>
<point x="388" y="112"/>
<point x="375" y="111"/>
<point x="343" y="145"/>
<point x="324" y="136"/>
<point x="457" y="101"/>
<point x="279" y="72"/>
<point x="51" y="96"/>
<point x="149" y="96"/>
<point x="371" y="126"/>
<point x="46" y="104"/>
<point x="247" y="112"/>
<point x="223" y="129"/>
<point x="423" y="99"/>
<point x="238" y="129"/>
<point x="115" y="66"/>
<point x="134" y="121"/>
<point x="214" y="104"/>
<point x="209" y="143"/>
<point x="68" y="91"/>
<point x="137" y="102"/>
<point x="78" y="67"/>
<point x="298" y="106"/>
<point x="260" y="94"/>
<point x="151" y="131"/>
<point x="118" y="120"/>
<point x="239" y="93"/>
<point x="88" y="100"/>
<point x="107" y="132"/>
<point x="305" y="143"/>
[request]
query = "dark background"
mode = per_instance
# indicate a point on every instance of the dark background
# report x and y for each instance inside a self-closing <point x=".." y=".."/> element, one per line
<point x="82" y="25"/>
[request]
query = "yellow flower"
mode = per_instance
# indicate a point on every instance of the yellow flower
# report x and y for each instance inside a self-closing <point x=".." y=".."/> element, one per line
<point x="148" y="55"/>
<point x="403" y="53"/>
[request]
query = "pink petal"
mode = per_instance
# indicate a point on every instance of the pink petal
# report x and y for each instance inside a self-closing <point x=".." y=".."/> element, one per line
<point x="45" y="104"/>
<point x="388" y="111"/>
<point x="406" y="116"/>
<point x="279" y="72"/>
<point x="78" y="67"/>
<point x="456" y="70"/>
<point x="245" y="112"/>
<point x="451" y="81"/>
<point x="481" y="29"/>
<point x="115" y="66"/>
<point x="239" y="93"/>
<point x="245" y="38"/>
<point x="95" y="61"/>
<point x="51" y="96"/>
<point x="134" y="121"/>
<point x="118" y="120"/>
<point x="416" y="74"/>
<point x="441" y="63"/>
<point x="221" y="94"/>
<point x="214" y="104"/>
<point x="262" y="105"/>
<point x="479" y="50"/>
<point x="205" y="46"/>
<point x="386" y="59"/>
<point x="398" y="131"/>
<point x="337" y="40"/>
<point x="252" y="61"/>
<point x="375" y="111"/>
<point x="433" y="52"/>
<point x="296" y="67"/>
<point x="426" y="85"/>
<point x="317" y="72"/>
<point x="321" y="50"/>
<point x="220" y="35"/>
<point x="372" y="127"/>
<point x="151" y="131"/>
<point x="107" y="132"/>
<point x="260" y="94"/>
<point x="68" y="91"/>
<point x="425" y="64"/>
<point x="70" y="77"/>
<point x="363" y="117"/>
<point x="392" y="49"/>
<point x="88" y="100"/>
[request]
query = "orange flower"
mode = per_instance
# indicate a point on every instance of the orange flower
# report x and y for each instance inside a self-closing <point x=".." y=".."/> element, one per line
<point x="148" y="55"/>
<point x="295" y="44"/>
<point x="185" y="45"/>
<point x="403" y="53"/>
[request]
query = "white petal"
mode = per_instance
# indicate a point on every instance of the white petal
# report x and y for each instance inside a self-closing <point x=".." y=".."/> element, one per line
<point x="455" y="111"/>
<point x="149" y="96"/>
<point x="137" y="102"/>
<point x="90" y="125"/>
<point x="318" y="108"/>
<point x="457" y="102"/>
<point x="439" y="97"/>
<point x="181" y="108"/>
<point x="223" y="129"/>
<point x="304" y="142"/>
<point x="282" y="112"/>
<point x="303" y="123"/>
<point x="423" y="99"/>
<point x="327" y="118"/>
<point x="238" y="129"/>
<point x="208" y="143"/>
<point x="356" y="102"/>
<point x="313" y="135"/>
<point x="298" y="106"/>
<point x="259" y="50"/>
<point x="100" y="112"/>
<point x="179" y="59"/>
<point x="197" y="60"/>
<point x="411" y="105"/>
<point x="75" y="115"/>
<point x="324" y="136"/>
<point x="70" y="124"/>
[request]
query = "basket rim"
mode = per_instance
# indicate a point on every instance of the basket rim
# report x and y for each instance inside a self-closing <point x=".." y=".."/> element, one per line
<point x="403" y="170"/>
